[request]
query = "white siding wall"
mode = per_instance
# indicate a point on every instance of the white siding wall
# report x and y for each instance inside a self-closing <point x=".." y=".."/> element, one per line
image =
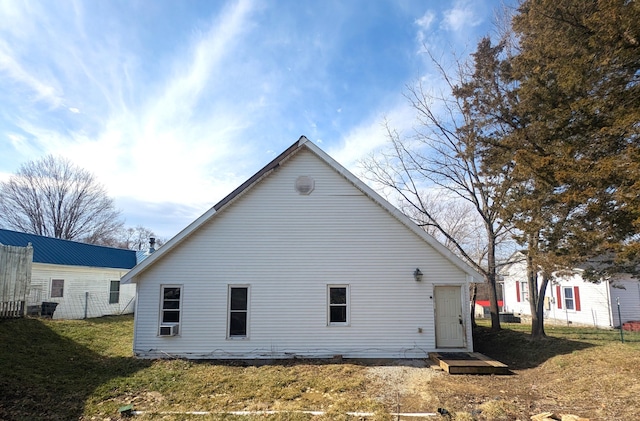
<point x="78" y="281"/>
<point x="597" y="300"/>
<point x="628" y="291"/>
<point x="288" y="248"/>
<point x="514" y="273"/>
<point x="594" y="303"/>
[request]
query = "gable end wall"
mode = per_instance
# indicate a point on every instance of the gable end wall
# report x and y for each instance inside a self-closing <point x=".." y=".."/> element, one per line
<point x="288" y="247"/>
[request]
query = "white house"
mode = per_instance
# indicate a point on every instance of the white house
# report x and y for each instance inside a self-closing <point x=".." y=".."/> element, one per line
<point x="83" y="280"/>
<point x="573" y="300"/>
<point x="303" y="259"/>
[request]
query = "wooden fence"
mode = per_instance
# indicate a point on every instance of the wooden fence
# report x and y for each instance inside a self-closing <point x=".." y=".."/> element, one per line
<point x="15" y="279"/>
<point x="11" y="309"/>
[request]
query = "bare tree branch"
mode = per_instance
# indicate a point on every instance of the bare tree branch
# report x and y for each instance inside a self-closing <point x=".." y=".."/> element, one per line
<point x="436" y="175"/>
<point x="55" y="198"/>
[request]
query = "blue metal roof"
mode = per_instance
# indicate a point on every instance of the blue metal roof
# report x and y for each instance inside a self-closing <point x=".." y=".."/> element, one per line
<point x="64" y="252"/>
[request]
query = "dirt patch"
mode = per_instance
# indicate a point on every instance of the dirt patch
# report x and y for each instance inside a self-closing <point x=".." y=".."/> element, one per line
<point x="597" y="383"/>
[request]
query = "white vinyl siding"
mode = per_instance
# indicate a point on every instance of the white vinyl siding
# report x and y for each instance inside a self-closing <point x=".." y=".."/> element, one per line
<point x="291" y="246"/>
<point x="626" y="291"/>
<point x="86" y="291"/>
<point x="597" y="300"/>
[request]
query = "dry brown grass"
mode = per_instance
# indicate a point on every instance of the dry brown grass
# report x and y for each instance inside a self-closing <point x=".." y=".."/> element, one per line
<point x="83" y="370"/>
<point x="580" y="371"/>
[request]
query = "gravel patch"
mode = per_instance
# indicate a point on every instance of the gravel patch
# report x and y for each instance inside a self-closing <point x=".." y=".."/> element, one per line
<point x="402" y="378"/>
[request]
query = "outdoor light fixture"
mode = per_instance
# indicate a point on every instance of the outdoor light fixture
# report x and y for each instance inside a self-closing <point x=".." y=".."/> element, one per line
<point x="417" y="275"/>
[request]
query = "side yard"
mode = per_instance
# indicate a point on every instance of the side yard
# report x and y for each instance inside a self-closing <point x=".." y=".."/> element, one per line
<point x="83" y="369"/>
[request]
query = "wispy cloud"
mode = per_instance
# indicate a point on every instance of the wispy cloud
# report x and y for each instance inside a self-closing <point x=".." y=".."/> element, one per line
<point x="368" y="137"/>
<point x="425" y="26"/>
<point x="426" y="20"/>
<point x="34" y="86"/>
<point x="150" y="148"/>
<point x="180" y="102"/>
<point x="463" y="15"/>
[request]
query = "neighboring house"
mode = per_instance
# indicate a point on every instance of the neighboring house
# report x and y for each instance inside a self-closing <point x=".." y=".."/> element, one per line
<point x="573" y="300"/>
<point x="302" y="260"/>
<point x="83" y="279"/>
<point x="482" y="308"/>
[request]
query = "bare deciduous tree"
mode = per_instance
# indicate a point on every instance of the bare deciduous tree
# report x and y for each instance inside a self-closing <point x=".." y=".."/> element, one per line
<point x="456" y="217"/>
<point x="55" y="198"/>
<point x="137" y="238"/>
<point x="444" y="154"/>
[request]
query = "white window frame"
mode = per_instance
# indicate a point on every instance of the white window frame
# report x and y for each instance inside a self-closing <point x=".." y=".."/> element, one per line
<point x="524" y="290"/>
<point x="61" y="289"/>
<point x="161" y="321"/>
<point x="113" y="293"/>
<point x="566" y="299"/>
<point x="247" y="311"/>
<point x="347" y="305"/>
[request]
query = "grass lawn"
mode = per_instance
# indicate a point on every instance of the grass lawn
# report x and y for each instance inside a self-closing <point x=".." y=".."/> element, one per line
<point x="83" y="369"/>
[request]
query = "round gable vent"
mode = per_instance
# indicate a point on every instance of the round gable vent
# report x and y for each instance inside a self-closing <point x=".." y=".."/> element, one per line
<point x="305" y="184"/>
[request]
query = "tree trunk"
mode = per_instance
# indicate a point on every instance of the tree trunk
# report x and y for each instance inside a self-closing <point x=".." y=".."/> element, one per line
<point x="537" y="328"/>
<point x="536" y="299"/>
<point x="474" y="294"/>
<point x="493" y="302"/>
<point x="491" y="279"/>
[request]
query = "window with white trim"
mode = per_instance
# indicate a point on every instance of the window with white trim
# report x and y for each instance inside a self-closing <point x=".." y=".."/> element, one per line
<point x="569" y="299"/>
<point x="524" y="290"/>
<point x="57" y="288"/>
<point x="238" y="306"/>
<point x="338" y="305"/>
<point x="114" y="292"/>
<point x="170" y="304"/>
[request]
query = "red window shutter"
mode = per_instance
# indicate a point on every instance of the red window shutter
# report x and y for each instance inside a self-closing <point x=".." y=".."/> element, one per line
<point x="518" y="291"/>
<point x="559" y="296"/>
<point x="576" y="297"/>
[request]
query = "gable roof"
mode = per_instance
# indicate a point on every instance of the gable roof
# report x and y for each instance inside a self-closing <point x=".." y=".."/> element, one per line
<point x="64" y="252"/>
<point x="302" y="143"/>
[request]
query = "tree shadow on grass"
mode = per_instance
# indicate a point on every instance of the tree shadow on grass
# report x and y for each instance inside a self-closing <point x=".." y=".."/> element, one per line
<point x="46" y="376"/>
<point x="518" y="350"/>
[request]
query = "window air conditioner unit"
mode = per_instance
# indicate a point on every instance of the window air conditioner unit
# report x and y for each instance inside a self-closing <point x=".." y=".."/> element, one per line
<point x="169" y="330"/>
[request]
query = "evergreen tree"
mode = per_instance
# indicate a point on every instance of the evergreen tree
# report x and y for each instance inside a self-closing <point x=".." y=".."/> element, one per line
<point x="561" y="114"/>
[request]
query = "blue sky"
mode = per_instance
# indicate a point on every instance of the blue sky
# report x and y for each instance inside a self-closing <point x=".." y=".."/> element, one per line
<point x="173" y="104"/>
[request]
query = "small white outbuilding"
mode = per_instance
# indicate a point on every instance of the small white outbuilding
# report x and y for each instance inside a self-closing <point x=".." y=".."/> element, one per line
<point x="302" y="260"/>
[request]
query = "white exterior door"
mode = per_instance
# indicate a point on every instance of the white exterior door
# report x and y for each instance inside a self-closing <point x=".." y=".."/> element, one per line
<point x="449" y="320"/>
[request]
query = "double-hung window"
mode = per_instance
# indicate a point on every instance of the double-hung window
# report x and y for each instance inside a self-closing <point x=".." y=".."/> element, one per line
<point x="522" y="291"/>
<point x="568" y="297"/>
<point x="238" y="311"/>
<point x="170" y="309"/>
<point x="114" y="292"/>
<point x="338" y="305"/>
<point x="569" y="300"/>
